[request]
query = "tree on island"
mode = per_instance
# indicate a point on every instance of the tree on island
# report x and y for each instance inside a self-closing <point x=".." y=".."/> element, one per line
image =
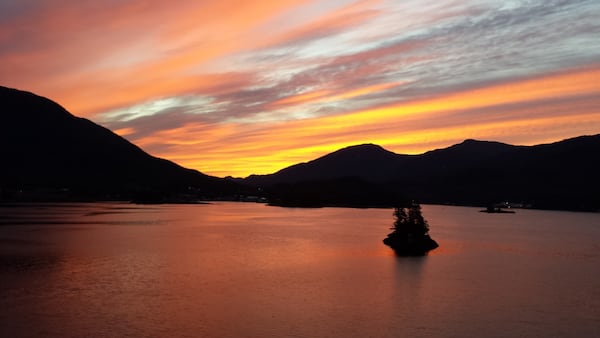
<point x="410" y="235"/>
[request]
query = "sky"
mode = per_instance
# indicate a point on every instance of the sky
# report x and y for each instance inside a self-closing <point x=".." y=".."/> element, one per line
<point x="236" y="87"/>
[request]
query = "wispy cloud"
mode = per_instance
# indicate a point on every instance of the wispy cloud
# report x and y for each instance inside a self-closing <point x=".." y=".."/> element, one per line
<point x="558" y="106"/>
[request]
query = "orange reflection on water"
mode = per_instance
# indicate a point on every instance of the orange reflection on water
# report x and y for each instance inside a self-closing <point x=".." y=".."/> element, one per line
<point x="245" y="269"/>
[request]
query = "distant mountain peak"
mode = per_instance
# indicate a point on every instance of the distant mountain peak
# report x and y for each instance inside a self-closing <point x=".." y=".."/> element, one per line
<point x="365" y="146"/>
<point x="362" y="148"/>
<point x="473" y="145"/>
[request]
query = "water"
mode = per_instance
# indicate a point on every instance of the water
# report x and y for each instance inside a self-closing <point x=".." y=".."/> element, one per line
<point x="249" y="270"/>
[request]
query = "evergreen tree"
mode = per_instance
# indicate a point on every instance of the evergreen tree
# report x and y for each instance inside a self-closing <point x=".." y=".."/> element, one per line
<point x="410" y="221"/>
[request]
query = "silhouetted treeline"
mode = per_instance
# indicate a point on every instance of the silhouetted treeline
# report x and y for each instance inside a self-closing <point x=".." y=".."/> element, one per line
<point x="345" y="191"/>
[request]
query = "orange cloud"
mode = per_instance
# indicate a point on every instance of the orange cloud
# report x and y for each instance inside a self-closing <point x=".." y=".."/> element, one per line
<point x="329" y="95"/>
<point x="97" y="56"/>
<point x="124" y="131"/>
<point x="301" y="98"/>
<point x="346" y="17"/>
<point x="529" y="111"/>
<point x="559" y="85"/>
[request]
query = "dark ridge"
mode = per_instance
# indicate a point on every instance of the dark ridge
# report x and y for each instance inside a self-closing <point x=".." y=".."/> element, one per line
<point x="560" y="175"/>
<point x="49" y="152"/>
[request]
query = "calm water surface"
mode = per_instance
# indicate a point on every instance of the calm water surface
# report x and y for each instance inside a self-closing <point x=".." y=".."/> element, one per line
<point x="249" y="270"/>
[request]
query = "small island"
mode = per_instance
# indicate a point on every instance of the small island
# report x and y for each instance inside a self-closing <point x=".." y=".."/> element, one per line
<point x="410" y="235"/>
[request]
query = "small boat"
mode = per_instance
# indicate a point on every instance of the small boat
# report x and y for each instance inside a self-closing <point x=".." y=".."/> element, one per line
<point x="496" y="210"/>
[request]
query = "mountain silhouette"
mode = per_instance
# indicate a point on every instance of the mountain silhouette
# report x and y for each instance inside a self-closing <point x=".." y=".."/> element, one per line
<point x="45" y="150"/>
<point x="365" y="161"/>
<point x="44" y="147"/>
<point x="561" y="175"/>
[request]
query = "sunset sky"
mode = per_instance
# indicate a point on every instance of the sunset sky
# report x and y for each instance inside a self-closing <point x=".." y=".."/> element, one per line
<point x="241" y="87"/>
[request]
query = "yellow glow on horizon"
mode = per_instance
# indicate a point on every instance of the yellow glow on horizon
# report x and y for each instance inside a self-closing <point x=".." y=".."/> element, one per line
<point x="272" y="158"/>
